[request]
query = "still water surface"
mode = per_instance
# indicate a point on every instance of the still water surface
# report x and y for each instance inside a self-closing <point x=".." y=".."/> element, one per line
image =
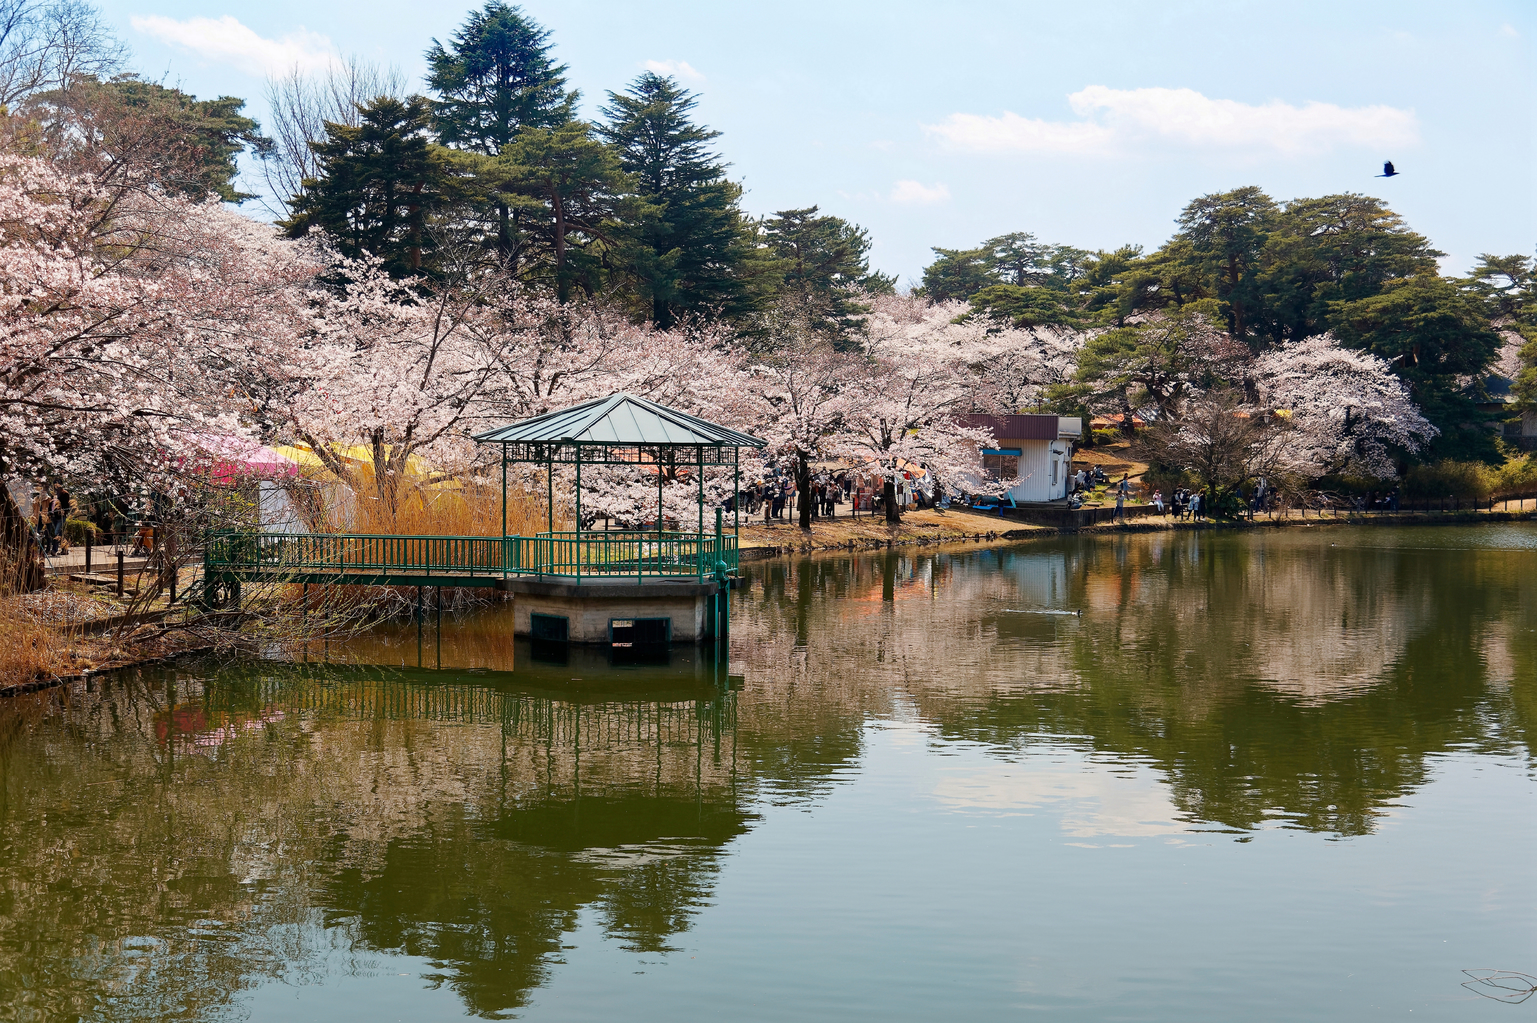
<point x="1286" y="776"/>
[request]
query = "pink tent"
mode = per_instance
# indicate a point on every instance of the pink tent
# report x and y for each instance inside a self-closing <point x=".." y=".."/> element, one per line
<point x="236" y="458"/>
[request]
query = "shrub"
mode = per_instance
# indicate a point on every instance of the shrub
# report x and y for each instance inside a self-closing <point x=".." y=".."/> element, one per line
<point x="1448" y="478"/>
<point x="77" y="530"/>
<point x="1518" y="476"/>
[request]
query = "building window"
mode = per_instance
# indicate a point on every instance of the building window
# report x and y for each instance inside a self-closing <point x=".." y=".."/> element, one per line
<point x="1001" y="466"/>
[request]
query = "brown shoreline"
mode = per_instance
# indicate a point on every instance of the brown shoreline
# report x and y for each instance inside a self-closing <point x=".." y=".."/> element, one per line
<point x="1143" y="524"/>
<point x="897" y="540"/>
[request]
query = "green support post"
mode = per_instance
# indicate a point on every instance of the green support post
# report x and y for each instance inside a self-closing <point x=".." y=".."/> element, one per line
<point x="699" y="543"/>
<point x="504" y="511"/>
<point x="576" y="554"/>
<point x="659" y="511"/>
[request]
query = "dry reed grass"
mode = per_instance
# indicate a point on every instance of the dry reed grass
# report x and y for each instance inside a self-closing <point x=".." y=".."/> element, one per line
<point x="461" y="507"/>
<point x="32" y="649"/>
<point x="467" y="509"/>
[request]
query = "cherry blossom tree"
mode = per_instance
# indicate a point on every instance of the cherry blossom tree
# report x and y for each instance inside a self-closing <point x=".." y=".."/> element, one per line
<point x="1019" y="366"/>
<point x="131" y="324"/>
<point x="1346" y="411"/>
<point x="918" y="380"/>
<point x="801" y="408"/>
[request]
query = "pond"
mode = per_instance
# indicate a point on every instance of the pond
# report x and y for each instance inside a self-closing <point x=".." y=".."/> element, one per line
<point x="1282" y="775"/>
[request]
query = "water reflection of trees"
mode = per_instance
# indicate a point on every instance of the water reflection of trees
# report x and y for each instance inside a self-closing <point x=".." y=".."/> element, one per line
<point x="1265" y="678"/>
<point x="172" y="840"/>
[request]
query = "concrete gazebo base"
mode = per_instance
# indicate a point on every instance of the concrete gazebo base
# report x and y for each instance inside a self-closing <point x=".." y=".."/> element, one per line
<point x="609" y="612"/>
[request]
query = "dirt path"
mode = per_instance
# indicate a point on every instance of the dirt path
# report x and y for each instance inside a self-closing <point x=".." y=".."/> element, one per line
<point x="927" y="526"/>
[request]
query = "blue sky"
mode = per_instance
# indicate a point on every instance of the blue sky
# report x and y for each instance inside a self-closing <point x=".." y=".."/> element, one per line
<point x="944" y="124"/>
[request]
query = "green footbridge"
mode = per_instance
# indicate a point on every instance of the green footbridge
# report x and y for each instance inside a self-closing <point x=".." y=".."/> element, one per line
<point x="603" y="568"/>
<point x="360" y="559"/>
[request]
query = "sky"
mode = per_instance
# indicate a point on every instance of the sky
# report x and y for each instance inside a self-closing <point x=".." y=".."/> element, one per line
<point x="946" y="124"/>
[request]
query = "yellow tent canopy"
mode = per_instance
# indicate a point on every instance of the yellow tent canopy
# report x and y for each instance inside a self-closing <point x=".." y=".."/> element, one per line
<point x="361" y="455"/>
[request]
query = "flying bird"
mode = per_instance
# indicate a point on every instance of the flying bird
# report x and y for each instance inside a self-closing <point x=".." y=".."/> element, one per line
<point x="1387" y="170"/>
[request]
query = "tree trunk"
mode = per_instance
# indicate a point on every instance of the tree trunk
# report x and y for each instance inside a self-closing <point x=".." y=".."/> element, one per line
<point x="20" y="559"/>
<point x="889" y="499"/>
<point x="803" y="490"/>
<point x="562" y="286"/>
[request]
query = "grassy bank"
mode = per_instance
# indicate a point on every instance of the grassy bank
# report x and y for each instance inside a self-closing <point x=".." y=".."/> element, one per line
<point x="843" y="532"/>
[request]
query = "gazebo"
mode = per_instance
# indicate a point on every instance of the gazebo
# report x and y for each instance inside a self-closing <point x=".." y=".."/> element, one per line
<point x="601" y="571"/>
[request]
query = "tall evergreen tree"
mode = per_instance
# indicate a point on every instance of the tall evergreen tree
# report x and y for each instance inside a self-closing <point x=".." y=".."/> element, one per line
<point x="495" y="79"/>
<point x="823" y="262"/>
<point x="957" y="274"/>
<point x="1339" y="248"/>
<point x="574" y="199"/>
<point x="186" y="145"/>
<point x="694" y="255"/>
<point x="380" y="182"/>
<point x="1227" y="232"/>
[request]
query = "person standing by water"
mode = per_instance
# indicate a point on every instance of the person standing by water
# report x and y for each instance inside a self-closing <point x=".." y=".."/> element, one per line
<point x="65" y="505"/>
<point x="1120" y="504"/>
<point x="1158" y="501"/>
<point x="40" y="509"/>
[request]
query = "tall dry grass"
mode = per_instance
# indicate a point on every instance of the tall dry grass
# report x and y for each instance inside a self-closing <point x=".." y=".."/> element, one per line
<point x="468" y="509"/>
<point x="462" y="507"/>
<point x="450" y="503"/>
<point x="31" y="650"/>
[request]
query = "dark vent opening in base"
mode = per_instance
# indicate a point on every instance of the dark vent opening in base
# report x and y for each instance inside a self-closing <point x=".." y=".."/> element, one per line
<point x="549" y="628"/>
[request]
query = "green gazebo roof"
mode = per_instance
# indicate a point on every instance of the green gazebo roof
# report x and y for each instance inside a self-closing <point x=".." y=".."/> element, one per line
<point x="621" y="420"/>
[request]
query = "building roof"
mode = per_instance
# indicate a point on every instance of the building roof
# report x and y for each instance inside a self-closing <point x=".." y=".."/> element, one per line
<point x="621" y="420"/>
<point x="1028" y="427"/>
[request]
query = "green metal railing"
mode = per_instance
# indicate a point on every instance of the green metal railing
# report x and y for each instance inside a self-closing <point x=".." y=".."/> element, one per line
<point x="629" y="552"/>
<point x="611" y="555"/>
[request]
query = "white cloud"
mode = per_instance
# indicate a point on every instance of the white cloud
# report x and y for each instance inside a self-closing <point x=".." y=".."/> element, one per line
<point x="674" y="68"/>
<point x="1089" y="802"/>
<point x="1116" y="120"/>
<point x="917" y="193"/>
<point x="226" y="39"/>
<point x="1509" y="31"/>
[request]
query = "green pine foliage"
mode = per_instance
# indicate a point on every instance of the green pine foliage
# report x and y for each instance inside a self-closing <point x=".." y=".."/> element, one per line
<point x="188" y="146"/>
<point x="380" y="185"/>
<point x="694" y="256"/>
<point x="823" y="265"/>
<point x="495" y="78"/>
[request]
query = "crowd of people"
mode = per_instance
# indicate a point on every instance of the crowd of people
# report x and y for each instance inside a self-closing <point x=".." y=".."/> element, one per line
<point x="53" y="509"/>
<point x="50" y="511"/>
<point x="777" y="496"/>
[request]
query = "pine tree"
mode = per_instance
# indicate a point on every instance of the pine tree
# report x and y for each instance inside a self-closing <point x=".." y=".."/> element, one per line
<point x="573" y="199"/>
<point x="495" y="79"/>
<point x="380" y="181"/>
<point x="823" y="262"/>
<point x="694" y="256"/>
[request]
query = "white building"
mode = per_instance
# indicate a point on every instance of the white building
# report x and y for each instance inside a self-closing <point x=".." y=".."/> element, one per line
<point x="1036" y="452"/>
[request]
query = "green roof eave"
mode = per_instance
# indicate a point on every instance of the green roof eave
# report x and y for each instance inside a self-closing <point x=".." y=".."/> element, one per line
<point x="620" y="420"/>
